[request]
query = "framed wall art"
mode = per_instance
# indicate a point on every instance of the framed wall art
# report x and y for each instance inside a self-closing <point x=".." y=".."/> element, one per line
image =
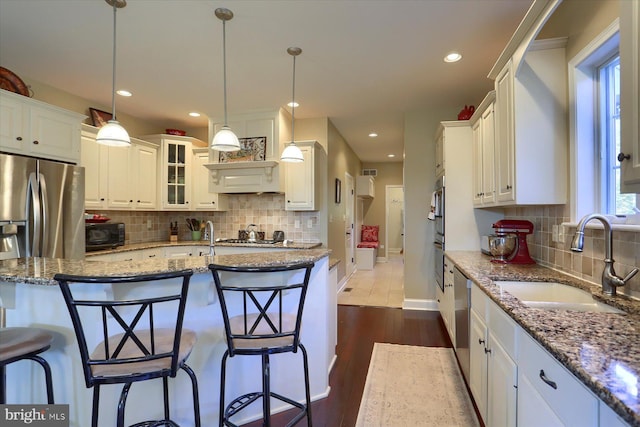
<point x="99" y="117"/>
<point x="251" y="150"/>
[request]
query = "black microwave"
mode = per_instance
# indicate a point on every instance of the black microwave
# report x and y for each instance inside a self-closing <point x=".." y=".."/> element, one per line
<point x="104" y="236"/>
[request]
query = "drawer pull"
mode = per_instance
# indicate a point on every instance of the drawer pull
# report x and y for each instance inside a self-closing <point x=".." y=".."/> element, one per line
<point x="547" y="381"/>
<point x="480" y="341"/>
<point x="487" y="350"/>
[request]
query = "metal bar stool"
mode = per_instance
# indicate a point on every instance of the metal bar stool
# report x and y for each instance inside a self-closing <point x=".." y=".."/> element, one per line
<point x="142" y="337"/>
<point x="24" y="343"/>
<point x="262" y="328"/>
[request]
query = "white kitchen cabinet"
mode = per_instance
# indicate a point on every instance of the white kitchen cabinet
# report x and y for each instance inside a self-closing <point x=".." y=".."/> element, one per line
<point x="629" y="98"/>
<point x="493" y="371"/>
<point x="119" y="177"/>
<point x="175" y="169"/>
<point x="448" y="303"/>
<point x="365" y="186"/>
<point x="482" y="126"/>
<point x="94" y="158"/>
<point x="201" y="178"/>
<point x="144" y="160"/>
<point x="530" y="132"/>
<point x="608" y="418"/>
<point x="548" y="390"/>
<point x="304" y="180"/>
<point x="37" y="129"/>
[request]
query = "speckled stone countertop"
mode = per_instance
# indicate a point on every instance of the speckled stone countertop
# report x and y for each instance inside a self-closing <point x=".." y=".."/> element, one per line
<point x="151" y="245"/>
<point x="593" y="346"/>
<point x="40" y="271"/>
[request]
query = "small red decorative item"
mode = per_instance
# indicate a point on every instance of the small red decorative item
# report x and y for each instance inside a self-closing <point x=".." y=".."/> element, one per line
<point x="466" y="112"/>
<point x="176" y="132"/>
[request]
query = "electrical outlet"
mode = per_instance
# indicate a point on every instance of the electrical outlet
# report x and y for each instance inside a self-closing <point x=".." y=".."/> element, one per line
<point x="149" y="225"/>
<point x="309" y="223"/>
<point x="297" y="224"/>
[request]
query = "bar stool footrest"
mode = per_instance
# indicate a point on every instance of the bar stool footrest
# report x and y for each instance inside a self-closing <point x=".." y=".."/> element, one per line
<point x="157" y="423"/>
<point x="239" y="403"/>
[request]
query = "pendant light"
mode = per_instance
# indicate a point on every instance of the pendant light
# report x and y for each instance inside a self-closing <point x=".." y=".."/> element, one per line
<point x="291" y="152"/>
<point x="113" y="133"/>
<point x="225" y="139"/>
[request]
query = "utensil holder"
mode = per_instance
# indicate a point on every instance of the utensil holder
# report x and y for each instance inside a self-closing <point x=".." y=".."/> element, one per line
<point x="196" y="235"/>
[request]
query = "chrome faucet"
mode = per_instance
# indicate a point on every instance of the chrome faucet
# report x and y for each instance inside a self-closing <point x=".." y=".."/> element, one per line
<point x="609" y="279"/>
<point x="208" y="231"/>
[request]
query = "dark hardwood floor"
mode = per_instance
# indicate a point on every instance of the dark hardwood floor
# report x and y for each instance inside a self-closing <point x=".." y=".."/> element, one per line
<point x="358" y="329"/>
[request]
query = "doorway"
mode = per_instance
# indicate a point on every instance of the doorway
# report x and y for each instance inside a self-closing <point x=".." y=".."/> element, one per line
<point x="349" y="235"/>
<point x="394" y="220"/>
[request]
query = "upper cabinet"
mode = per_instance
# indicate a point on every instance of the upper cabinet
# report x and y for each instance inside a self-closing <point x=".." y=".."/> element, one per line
<point x="175" y="169"/>
<point x="365" y="186"/>
<point x="110" y="172"/>
<point x="629" y="98"/>
<point x="304" y="181"/>
<point x="483" y="152"/>
<point x="256" y="168"/>
<point x="37" y="129"/>
<point x="201" y="179"/>
<point x="439" y="157"/>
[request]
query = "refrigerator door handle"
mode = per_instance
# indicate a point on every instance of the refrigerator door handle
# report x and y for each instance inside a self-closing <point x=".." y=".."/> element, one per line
<point x="33" y="205"/>
<point x="44" y="218"/>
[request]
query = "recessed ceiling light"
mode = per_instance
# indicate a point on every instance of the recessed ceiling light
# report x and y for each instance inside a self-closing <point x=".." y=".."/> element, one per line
<point x="391" y="155"/>
<point x="373" y="134"/>
<point x="123" y="92"/>
<point x="452" y="57"/>
<point x="293" y="104"/>
<point x="194" y="114"/>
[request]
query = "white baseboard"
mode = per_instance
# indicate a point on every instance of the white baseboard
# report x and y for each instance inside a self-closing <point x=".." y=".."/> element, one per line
<point x="420" y="304"/>
<point x="334" y="359"/>
<point x="343" y="283"/>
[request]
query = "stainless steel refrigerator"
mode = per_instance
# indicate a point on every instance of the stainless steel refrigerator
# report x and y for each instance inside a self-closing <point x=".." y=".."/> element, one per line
<point x="41" y="208"/>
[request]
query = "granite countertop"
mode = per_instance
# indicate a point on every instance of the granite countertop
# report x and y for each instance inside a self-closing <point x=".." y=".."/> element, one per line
<point x="40" y="271"/>
<point x="151" y="245"/>
<point x="600" y="349"/>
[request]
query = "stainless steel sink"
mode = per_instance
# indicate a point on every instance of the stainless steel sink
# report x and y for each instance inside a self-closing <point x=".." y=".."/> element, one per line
<point x="555" y="296"/>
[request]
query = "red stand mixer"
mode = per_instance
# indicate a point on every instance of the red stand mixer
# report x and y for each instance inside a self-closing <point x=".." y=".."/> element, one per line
<point x="521" y="228"/>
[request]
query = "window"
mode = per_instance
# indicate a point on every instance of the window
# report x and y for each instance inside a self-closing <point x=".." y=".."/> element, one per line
<point x="612" y="201"/>
<point x="594" y="96"/>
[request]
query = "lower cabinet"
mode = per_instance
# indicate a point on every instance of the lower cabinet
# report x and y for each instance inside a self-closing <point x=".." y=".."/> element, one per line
<point x="493" y="371"/>
<point x="516" y="382"/>
<point x="447" y="301"/>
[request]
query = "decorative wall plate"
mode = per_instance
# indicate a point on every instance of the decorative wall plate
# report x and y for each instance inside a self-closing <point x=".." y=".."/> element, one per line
<point x="9" y="81"/>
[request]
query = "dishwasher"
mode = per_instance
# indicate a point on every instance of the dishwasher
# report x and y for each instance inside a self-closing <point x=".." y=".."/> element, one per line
<point x="462" y="296"/>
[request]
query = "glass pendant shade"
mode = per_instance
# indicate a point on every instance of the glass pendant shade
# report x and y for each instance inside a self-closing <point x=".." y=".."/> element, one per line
<point x="113" y="134"/>
<point x="292" y="153"/>
<point x="225" y="140"/>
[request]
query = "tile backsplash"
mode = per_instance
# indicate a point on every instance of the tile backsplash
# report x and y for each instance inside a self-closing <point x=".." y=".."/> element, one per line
<point x="265" y="210"/>
<point x="588" y="264"/>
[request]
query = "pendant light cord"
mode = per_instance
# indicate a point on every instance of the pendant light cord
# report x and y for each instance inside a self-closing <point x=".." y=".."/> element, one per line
<point x="224" y="66"/>
<point x="293" y="101"/>
<point x="113" y="74"/>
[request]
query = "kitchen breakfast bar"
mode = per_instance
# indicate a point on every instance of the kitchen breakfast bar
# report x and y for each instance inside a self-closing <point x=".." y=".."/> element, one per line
<point x="30" y="296"/>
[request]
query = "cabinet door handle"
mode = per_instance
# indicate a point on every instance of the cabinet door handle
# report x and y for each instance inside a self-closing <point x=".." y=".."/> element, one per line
<point x="480" y="341"/>
<point x="19" y="138"/>
<point x="36" y="142"/>
<point x="622" y="157"/>
<point x="487" y="350"/>
<point x="547" y="381"/>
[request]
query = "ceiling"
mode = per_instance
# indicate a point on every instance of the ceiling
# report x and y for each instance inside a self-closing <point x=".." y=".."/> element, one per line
<point x="364" y="63"/>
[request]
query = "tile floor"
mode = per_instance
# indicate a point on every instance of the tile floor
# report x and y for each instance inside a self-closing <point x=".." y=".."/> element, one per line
<point x="381" y="287"/>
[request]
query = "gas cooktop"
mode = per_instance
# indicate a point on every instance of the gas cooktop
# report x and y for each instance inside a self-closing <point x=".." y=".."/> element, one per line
<point x="255" y="242"/>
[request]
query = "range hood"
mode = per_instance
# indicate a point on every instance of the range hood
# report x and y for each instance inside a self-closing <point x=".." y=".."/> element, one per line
<point x="246" y="177"/>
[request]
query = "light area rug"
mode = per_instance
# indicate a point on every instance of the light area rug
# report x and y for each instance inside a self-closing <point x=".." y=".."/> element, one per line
<point x="410" y="386"/>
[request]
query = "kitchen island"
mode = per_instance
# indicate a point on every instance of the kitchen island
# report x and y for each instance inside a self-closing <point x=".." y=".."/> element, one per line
<point x="602" y="350"/>
<point x="31" y="297"/>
